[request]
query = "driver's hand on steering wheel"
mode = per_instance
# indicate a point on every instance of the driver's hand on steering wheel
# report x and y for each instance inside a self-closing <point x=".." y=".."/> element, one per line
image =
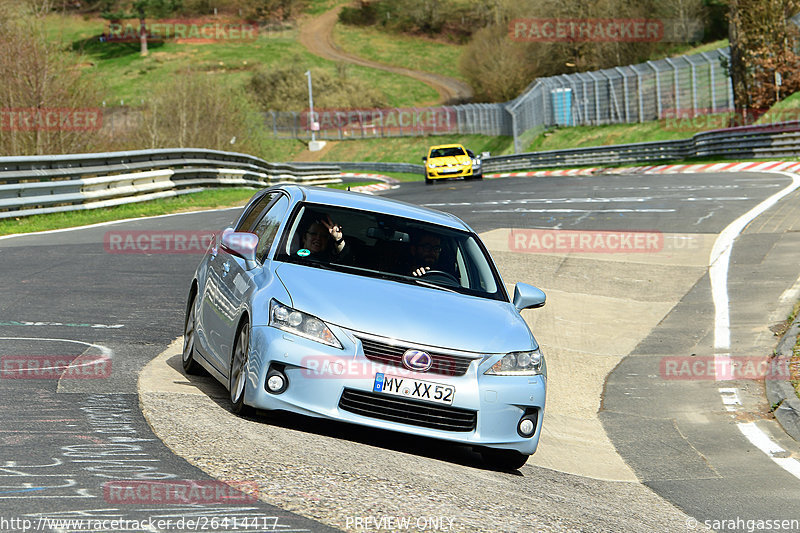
<point x="420" y="271"/>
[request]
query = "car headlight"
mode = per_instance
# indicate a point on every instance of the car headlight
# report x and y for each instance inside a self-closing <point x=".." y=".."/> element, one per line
<point x="518" y="364"/>
<point x="476" y="162"/>
<point x="302" y="324"/>
<point x="431" y="165"/>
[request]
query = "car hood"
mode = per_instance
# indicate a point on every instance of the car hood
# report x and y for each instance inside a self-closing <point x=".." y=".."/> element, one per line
<point x="406" y="312"/>
<point x="451" y="160"/>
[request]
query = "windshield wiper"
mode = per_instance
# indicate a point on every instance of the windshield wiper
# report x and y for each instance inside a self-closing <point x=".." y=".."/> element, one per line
<point x="312" y="263"/>
<point x="433" y="285"/>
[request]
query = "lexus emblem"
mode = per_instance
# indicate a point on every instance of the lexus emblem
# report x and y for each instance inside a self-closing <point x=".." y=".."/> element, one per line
<point x="417" y="360"/>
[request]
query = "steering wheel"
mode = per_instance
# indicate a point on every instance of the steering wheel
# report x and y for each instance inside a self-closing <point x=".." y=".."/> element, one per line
<point x="441" y="273"/>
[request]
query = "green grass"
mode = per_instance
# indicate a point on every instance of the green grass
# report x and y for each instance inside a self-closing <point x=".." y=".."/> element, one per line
<point x="786" y="109"/>
<point x="584" y="136"/>
<point x="415" y="53"/>
<point x="678" y="49"/>
<point x="317" y="7"/>
<point x="209" y="199"/>
<point x="129" y="78"/>
<point x="410" y="149"/>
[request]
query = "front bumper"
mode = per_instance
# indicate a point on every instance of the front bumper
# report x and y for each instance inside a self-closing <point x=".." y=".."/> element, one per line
<point x="448" y="172"/>
<point x="319" y="375"/>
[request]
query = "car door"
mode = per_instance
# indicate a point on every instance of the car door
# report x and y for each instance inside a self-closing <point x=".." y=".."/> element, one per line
<point x="219" y="305"/>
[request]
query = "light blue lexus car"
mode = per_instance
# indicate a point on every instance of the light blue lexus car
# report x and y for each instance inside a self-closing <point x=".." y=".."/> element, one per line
<point x="356" y="308"/>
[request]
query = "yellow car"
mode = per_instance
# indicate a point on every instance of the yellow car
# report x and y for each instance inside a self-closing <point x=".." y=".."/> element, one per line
<point x="451" y="161"/>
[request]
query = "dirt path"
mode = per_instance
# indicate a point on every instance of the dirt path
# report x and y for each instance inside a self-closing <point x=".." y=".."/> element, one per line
<point x="316" y="34"/>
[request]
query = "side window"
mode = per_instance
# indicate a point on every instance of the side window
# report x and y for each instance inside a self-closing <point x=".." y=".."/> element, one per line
<point x="267" y="227"/>
<point x="255" y="211"/>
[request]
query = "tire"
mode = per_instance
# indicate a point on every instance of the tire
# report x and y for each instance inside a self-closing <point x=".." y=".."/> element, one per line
<point x="237" y="377"/>
<point x="504" y="459"/>
<point x="190" y="365"/>
<point x="428" y="181"/>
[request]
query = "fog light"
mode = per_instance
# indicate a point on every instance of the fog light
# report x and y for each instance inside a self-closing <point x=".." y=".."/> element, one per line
<point x="527" y="424"/>
<point x="275" y="383"/>
<point x="276" y="380"/>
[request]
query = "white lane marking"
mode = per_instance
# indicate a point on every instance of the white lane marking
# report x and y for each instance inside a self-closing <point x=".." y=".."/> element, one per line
<point x="761" y="440"/>
<point x="66" y="324"/>
<point x="112" y="222"/>
<point x="523" y="210"/>
<point x="108" y="352"/>
<point x="720" y="260"/>
<point x="718" y="272"/>
<point x="730" y="397"/>
<point x="561" y="201"/>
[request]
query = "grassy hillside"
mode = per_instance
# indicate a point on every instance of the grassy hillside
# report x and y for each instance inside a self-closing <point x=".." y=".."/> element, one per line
<point x="128" y="77"/>
<point x="416" y="53"/>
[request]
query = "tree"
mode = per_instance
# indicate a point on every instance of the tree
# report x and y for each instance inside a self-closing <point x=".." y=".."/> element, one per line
<point x="762" y="40"/>
<point x="141" y="10"/>
<point x="39" y="82"/>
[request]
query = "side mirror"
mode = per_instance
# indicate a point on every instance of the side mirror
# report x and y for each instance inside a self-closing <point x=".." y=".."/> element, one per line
<point x="528" y="297"/>
<point x="424" y="158"/>
<point x="242" y="244"/>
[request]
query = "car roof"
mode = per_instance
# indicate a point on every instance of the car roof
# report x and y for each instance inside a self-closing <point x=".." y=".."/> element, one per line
<point x="446" y="146"/>
<point x="368" y="202"/>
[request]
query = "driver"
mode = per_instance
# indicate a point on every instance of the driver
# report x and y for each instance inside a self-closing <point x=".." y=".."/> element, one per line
<point x="425" y="250"/>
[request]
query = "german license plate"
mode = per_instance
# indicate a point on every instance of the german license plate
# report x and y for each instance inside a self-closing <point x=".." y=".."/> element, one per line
<point x="416" y="389"/>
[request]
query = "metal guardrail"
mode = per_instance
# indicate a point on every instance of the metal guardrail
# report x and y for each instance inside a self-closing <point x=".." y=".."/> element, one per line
<point x="747" y="142"/>
<point x="408" y="168"/>
<point x="33" y="185"/>
<point x="48" y="184"/>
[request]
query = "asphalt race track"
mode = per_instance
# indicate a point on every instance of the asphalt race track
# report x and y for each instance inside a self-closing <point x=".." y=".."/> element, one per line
<point x="630" y="442"/>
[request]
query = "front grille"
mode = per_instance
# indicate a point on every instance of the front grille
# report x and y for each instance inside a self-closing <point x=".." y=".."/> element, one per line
<point x="390" y="354"/>
<point x="410" y="412"/>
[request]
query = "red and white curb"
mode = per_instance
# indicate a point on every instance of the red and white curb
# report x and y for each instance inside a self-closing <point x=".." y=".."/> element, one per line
<point x="759" y="166"/>
<point x="388" y="182"/>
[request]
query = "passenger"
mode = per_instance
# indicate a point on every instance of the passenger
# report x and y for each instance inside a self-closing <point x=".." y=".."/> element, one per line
<point x="324" y="240"/>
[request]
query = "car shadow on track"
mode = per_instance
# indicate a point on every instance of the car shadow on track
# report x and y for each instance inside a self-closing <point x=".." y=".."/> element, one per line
<point x="390" y="440"/>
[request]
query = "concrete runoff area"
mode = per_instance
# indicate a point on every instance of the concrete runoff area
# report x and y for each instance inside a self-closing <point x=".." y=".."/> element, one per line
<point x="600" y="307"/>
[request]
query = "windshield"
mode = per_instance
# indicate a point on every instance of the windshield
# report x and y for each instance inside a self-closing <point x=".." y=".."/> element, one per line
<point x="447" y="152"/>
<point x="389" y="247"/>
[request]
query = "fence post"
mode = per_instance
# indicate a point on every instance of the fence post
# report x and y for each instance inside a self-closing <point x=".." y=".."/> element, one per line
<point x="675" y="84"/>
<point x="694" y="86"/>
<point x="596" y="99"/>
<point x="658" y="88"/>
<point x="711" y="81"/>
<point x="624" y="93"/>
<point x="640" y="95"/>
